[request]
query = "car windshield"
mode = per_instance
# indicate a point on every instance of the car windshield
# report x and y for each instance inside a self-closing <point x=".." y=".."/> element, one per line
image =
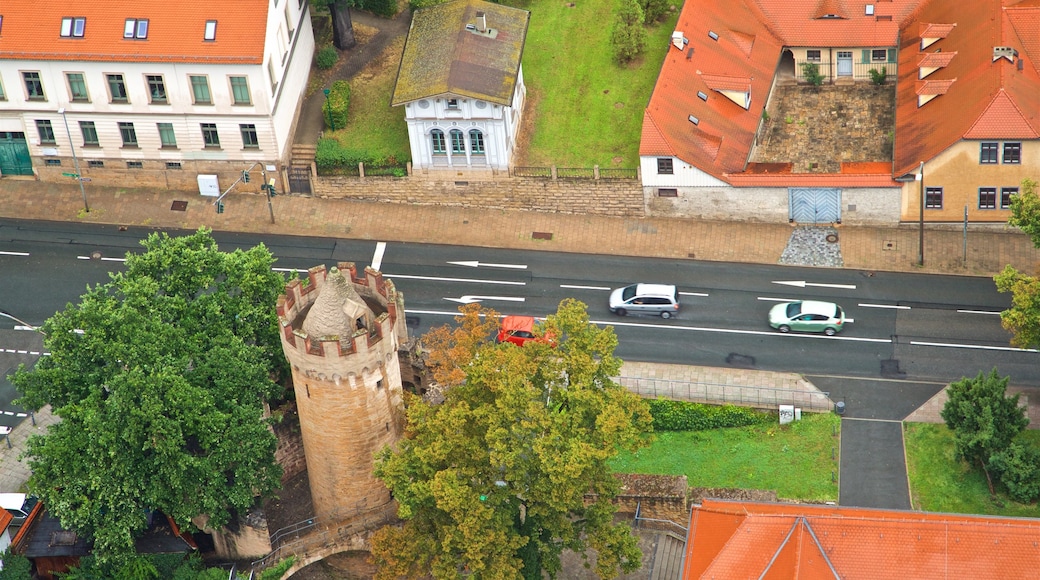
<point x="839" y="312"/>
<point x="794" y="309"/>
<point x="628" y="292"/>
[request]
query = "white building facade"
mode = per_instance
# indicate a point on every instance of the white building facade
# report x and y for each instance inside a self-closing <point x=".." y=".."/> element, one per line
<point x="153" y="95"/>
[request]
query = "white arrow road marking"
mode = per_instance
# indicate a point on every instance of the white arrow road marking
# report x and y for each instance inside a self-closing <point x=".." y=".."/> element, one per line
<point x="575" y="287"/>
<point x="377" y="258"/>
<point x="468" y="299"/>
<point x="14" y="253"/>
<point x="476" y="264"/>
<point x="975" y="346"/>
<point x="803" y="284"/>
<point x="978" y="312"/>
<point x="893" y="306"/>
<point x="692" y="294"/>
<point x="440" y="279"/>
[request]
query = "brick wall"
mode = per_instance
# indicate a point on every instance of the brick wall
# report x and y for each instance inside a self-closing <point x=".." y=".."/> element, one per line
<point x="289" y="453"/>
<point x="622" y="197"/>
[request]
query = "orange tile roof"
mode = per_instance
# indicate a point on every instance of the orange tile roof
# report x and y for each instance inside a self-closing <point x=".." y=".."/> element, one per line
<point x="799" y="22"/>
<point x="979" y="97"/>
<point x="32" y="31"/>
<point x="809" y="542"/>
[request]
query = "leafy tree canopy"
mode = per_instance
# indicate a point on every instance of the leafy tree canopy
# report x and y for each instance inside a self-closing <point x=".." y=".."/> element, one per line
<point x="984" y="420"/>
<point x="1022" y="320"/>
<point x="495" y="481"/>
<point x="1025" y="211"/>
<point x="160" y="378"/>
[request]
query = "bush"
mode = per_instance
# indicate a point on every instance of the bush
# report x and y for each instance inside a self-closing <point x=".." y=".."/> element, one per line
<point x="653" y="10"/>
<point x="337" y="105"/>
<point x="386" y="8"/>
<point x="878" y="77"/>
<point x="15" y="566"/>
<point x="685" y="416"/>
<point x="811" y="70"/>
<point x="628" y="37"/>
<point x="333" y="158"/>
<point x="327" y="57"/>
<point x="1018" y="468"/>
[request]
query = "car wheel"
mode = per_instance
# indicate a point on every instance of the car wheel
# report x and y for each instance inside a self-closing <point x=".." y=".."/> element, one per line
<point x="666" y="314"/>
<point x="830" y="331"/>
<point x="784" y="328"/>
<point x="621" y="312"/>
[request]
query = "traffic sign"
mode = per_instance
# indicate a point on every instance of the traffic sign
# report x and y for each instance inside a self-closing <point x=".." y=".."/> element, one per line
<point x="70" y="174"/>
<point x="84" y="179"/>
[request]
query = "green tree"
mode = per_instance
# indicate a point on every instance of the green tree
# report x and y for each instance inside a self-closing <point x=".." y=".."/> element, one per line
<point x="160" y="377"/>
<point x="342" y="24"/>
<point x="984" y="420"/>
<point x="653" y="10"/>
<point x="512" y="468"/>
<point x="1018" y="468"/>
<point x="628" y="37"/>
<point x="15" y="566"/>
<point x="1022" y="320"/>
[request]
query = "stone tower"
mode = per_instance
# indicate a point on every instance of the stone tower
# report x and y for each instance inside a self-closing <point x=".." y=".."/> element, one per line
<point x="341" y="334"/>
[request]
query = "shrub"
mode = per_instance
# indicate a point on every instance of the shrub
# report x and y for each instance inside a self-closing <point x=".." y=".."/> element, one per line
<point x="386" y="8"/>
<point x="671" y="415"/>
<point x="628" y="37"/>
<point x="1018" y="468"/>
<point x="811" y="70"/>
<point x="327" y="57"/>
<point x="878" y="77"/>
<point x="337" y="105"/>
<point x="653" y="10"/>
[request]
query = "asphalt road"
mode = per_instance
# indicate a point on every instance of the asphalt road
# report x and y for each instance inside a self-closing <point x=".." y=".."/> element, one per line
<point x="905" y="327"/>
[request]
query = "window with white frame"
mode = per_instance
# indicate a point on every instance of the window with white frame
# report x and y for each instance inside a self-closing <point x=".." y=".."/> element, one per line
<point x="211" y="30"/>
<point x="1006" y="193"/>
<point x="879" y="55"/>
<point x="33" y="86"/>
<point x="156" y="88"/>
<point x="437" y="142"/>
<point x="289" y="22"/>
<point x="476" y="142"/>
<point x="73" y="27"/>
<point x="988" y="153"/>
<point x="135" y="28"/>
<point x="453" y="103"/>
<point x="3" y="95"/>
<point x="458" y="142"/>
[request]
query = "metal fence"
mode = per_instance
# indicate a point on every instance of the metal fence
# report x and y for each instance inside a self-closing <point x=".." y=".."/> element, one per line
<point x="543" y="172"/>
<point x="743" y="395"/>
<point x="594" y="173"/>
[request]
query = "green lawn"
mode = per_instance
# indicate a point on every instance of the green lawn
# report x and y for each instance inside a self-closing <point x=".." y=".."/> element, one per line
<point x="584" y="109"/>
<point x="794" y="460"/>
<point x="939" y="483"/>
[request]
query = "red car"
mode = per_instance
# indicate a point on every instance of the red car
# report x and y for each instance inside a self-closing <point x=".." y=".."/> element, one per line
<point x="518" y="330"/>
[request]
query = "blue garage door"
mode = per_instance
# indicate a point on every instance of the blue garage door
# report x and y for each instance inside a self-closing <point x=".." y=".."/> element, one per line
<point x="814" y="205"/>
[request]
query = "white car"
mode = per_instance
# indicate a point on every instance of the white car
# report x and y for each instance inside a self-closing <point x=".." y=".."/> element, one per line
<point x="659" y="299"/>
<point x="807" y="316"/>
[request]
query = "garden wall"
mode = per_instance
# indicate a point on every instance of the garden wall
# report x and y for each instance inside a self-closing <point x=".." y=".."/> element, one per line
<point x="614" y="197"/>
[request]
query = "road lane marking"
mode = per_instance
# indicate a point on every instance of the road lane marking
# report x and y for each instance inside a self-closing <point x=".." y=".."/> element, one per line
<point x="978" y="312"/>
<point x="768" y="299"/>
<point x="14" y="253"/>
<point x="576" y="287"/>
<point x="971" y="346"/>
<point x="102" y="259"/>
<point x="469" y="299"/>
<point x="692" y="294"/>
<point x="737" y="331"/>
<point x="892" y="306"/>
<point x="377" y="258"/>
<point x="477" y="264"/>
<point x="803" y="284"/>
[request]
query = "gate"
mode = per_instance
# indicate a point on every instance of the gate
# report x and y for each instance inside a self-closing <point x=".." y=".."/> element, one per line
<point x="814" y="205"/>
<point x="14" y="154"/>
<point x="299" y="179"/>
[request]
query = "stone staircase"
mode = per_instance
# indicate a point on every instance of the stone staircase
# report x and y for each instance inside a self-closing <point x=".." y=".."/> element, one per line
<point x="302" y="155"/>
<point x="666" y="559"/>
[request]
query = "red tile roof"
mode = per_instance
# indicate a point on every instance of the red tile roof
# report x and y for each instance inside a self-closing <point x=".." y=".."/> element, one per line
<point x="979" y="97"/>
<point x="809" y="542"/>
<point x="799" y="22"/>
<point x="32" y="30"/>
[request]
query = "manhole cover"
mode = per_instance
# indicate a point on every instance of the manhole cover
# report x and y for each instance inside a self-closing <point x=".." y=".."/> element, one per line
<point x="179" y="206"/>
<point x="542" y="235"/>
<point x="832" y="238"/>
<point x="95" y="255"/>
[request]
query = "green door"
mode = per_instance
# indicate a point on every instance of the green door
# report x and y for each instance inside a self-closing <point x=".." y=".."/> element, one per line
<point x="14" y="154"/>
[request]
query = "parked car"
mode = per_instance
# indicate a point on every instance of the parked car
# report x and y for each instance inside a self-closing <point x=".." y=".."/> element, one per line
<point x="807" y="316"/>
<point x="660" y="299"/>
<point x="519" y="330"/>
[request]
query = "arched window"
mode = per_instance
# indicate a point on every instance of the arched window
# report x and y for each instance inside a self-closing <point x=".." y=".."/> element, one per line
<point x="458" y="143"/>
<point x="476" y="142"/>
<point x="437" y="139"/>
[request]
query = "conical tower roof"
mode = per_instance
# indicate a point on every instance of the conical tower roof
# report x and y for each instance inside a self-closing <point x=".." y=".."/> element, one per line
<point x="336" y="309"/>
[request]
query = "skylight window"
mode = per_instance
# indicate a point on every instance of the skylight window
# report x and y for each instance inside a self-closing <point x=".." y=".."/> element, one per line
<point x="713" y="35"/>
<point x="135" y="28"/>
<point x="694" y="120"/>
<point x="211" y="30"/>
<point x="702" y="95"/>
<point x="73" y="27"/>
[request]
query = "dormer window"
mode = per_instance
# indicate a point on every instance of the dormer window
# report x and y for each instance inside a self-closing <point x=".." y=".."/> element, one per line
<point x="453" y="103"/>
<point x="211" y="30"/>
<point x="135" y="28"/>
<point x="73" y="27"/>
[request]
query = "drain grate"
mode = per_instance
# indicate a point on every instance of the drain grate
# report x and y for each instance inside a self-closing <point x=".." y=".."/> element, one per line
<point x="179" y="206"/>
<point x="542" y="235"/>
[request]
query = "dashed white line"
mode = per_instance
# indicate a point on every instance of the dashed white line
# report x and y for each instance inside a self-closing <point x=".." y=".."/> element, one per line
<point x="440" y="279"/>
<point x="978" y="312"/>
<point x="692" y="294"/>
<point x="14" y="253"/>
<point x="972" y="346"/>
<point x="892" y="306"/>
<point x="576" y="287"/>
<point x="102" y="259"/>
<point x="377" y="258"/>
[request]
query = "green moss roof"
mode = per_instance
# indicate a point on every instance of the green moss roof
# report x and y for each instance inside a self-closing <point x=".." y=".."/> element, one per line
<point x="442" y="57"/>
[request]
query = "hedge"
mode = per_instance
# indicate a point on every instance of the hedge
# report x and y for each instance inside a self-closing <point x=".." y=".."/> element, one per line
<point x="333" y="158"/>
<point x="671" y="415"/>
<point x="337" y="104"/>
<point x="387" y="8"/>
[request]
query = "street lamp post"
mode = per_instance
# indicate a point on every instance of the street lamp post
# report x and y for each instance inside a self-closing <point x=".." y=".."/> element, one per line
<point x="75" y="160"/>
<point x="920" y="224"/>
<point x="332" y="122"/>
<point x="20" y="321"/>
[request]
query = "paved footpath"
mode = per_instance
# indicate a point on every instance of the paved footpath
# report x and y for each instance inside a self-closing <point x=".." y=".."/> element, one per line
<point x="862" y="248"/>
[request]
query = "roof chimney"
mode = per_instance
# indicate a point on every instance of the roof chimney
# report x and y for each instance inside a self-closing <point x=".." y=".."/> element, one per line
<point x="483" y="20"/>
<point x="1004" y="52"/>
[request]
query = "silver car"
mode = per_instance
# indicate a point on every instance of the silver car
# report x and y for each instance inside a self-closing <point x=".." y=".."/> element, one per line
<point x="661" y="299"/>
<point x="807" y="316"/>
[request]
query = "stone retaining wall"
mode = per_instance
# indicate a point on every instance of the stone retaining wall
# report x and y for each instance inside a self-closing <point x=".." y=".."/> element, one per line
<point x="620" y="197"/>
